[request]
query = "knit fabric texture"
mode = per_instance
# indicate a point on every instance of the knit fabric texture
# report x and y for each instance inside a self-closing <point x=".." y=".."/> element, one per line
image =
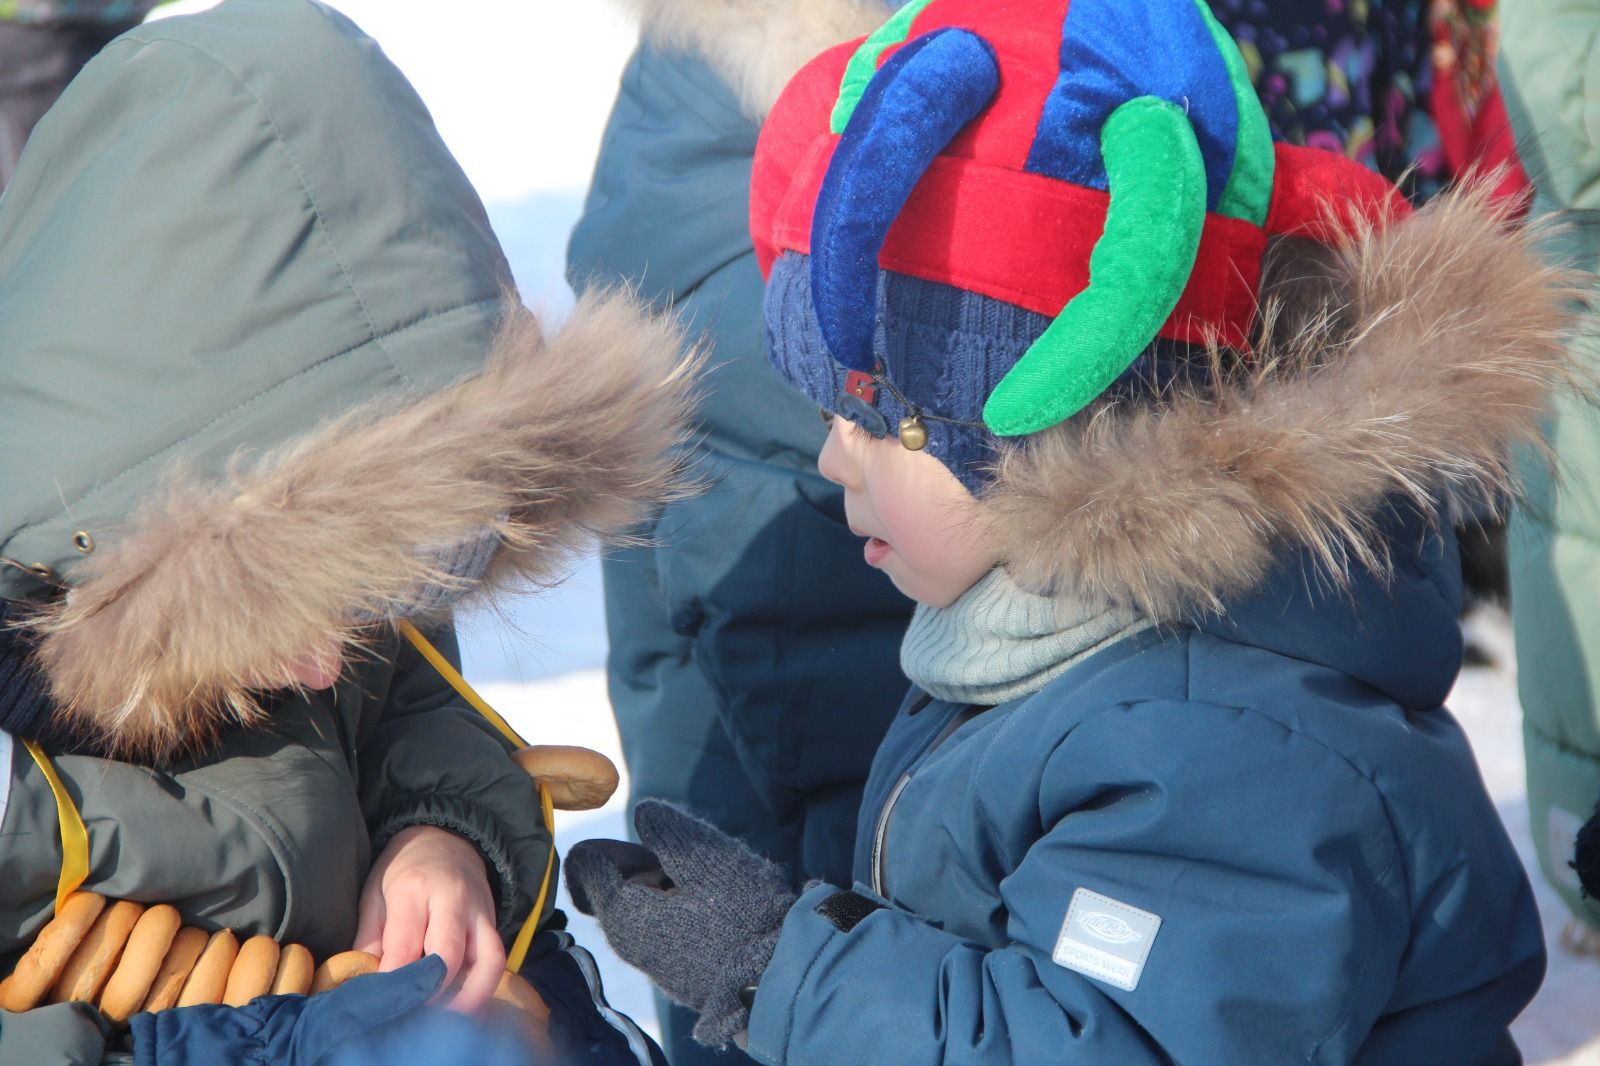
<point x="695" y="909"/>
<point x="943" y="348"/>
<point x="1000" y="642"/>
<point x="460" y="567"/>
<point x="465" y="562"/>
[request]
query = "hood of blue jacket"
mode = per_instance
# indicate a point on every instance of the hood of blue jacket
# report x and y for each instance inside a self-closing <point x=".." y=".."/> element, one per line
<point x="1398" y="632"/>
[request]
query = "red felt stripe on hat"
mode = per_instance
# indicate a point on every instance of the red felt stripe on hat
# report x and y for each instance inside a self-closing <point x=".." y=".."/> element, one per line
<point x="1026" y="239"/>
<point x="1322" y="195"/>
<point x="787" y="137"/>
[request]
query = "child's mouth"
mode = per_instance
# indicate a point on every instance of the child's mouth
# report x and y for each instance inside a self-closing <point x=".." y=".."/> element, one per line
<point x="875" y="550"/>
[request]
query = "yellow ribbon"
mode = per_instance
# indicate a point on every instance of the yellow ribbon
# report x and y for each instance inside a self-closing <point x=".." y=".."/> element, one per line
<point x="519" y="946"/>
<point x="74" y="837"/>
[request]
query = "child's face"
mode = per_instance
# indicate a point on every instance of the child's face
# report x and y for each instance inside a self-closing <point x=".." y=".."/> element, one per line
<point x="923" y="526"/>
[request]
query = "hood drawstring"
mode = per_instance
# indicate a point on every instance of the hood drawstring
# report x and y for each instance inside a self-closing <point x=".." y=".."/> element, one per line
<point x="519" y="947"/>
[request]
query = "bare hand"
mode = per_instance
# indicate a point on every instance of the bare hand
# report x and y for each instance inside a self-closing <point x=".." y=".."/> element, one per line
<point x="428" y="894"/>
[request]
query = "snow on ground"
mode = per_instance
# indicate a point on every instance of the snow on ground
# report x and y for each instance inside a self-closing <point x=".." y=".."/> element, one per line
<point x="1562" y="1025"/>
<point x="520" y="92"/>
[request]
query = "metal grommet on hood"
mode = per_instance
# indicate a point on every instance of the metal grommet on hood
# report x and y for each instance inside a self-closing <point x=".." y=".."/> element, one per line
<point x="83" y="541"/>
<point x="39" y="570"/>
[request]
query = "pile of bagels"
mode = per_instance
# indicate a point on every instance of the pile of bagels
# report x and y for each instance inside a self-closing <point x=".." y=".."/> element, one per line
<point x="125" y="958"/>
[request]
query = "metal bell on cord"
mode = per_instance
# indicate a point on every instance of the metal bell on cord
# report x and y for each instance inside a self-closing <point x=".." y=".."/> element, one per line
<point x="913" y="433"/>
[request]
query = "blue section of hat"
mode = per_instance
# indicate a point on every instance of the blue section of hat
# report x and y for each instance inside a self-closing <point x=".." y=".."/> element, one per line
<point x="911" y="109"/>
<point x="1113" y="51"/>
<point x="942" y="349"/>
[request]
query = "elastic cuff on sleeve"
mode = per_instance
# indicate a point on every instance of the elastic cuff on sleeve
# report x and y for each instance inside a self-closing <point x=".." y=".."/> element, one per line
<point x="474" y="822"/>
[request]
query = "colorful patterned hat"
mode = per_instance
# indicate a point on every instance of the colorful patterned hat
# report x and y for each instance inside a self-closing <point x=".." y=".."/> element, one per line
<point x="1104" y="164"/>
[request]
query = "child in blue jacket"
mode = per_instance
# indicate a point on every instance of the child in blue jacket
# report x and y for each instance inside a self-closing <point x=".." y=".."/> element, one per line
<point x="1161" y="425"/>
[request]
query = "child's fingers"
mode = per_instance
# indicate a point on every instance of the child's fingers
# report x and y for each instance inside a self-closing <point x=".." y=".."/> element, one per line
<point x="403" y="930"/>
<point x="369" y="924"/>
<point x="447" y="938"/>
<point x="486" y="960"/>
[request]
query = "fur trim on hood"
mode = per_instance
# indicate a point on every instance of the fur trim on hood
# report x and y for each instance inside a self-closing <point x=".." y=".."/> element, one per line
<point x="217" y="586"/>
<point x="1409" y="367"/>
<point x="757" y="45"/>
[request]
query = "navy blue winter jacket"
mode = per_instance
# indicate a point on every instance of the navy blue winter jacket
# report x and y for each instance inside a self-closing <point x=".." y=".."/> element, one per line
<point x="1259" y="841"/>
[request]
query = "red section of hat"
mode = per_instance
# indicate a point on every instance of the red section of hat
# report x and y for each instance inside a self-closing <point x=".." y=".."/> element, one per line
<point x="791" y="129"/>
<point x="1322" y="196"/>
<point x="1026" y="239"/>
<point x="1003" y="134"/>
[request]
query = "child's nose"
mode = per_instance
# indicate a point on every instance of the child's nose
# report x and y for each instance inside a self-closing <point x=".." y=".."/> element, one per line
<point x="834" y="461"/>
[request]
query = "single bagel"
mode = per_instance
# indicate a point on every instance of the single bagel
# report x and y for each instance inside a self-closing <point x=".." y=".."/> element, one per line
<point x="209" y="978"/>
<point x="578" y="779"/>
<point x="147" y="948"/>
<point x="252" y="971"/>
<point x="175" y="969"/>
<point x="515" y="990"/>
<point x="295" y="970"/>
<point x="341" y="968"/>
<point x="521" y="1007"/>
<point x="90" y="967"/>
<point x="41" y="966"/>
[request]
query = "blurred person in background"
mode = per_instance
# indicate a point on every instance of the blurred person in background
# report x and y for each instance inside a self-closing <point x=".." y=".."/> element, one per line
<point x="43" y="45"/>
<point x="733" y="693"/>
<point x="1550" y="66"/>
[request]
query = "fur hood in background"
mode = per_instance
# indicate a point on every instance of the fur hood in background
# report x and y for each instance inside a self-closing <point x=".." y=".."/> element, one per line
<point x="757" y="45"/>
<point x="1407" y="362"/>
<point x="215" y="586"/>
<point x="260" y="366"/>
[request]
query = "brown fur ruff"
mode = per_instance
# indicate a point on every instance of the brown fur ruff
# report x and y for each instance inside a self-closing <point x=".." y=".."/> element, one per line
<point x="217" y="586"/>
<point x="1428" y="351"/>
<point x="758" y="45"/>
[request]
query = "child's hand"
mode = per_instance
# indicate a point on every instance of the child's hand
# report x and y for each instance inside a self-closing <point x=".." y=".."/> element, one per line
<point x="428" y="894"/>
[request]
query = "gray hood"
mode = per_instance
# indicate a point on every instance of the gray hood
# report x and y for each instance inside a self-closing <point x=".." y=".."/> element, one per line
<point x="258" y="359"/>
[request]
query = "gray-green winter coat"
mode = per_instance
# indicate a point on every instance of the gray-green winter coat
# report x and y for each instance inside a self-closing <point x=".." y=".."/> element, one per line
<point x="257" y="365"/>
<point x="1550" y="73"/>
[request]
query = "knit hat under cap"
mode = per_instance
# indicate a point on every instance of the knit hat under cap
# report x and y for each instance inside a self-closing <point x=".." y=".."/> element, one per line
<point x="1102" y="168"/>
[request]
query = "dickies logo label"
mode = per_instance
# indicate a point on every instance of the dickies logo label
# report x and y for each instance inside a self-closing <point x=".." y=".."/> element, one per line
<point x="1109" y="927"/>
<point x="1106" y="939"/>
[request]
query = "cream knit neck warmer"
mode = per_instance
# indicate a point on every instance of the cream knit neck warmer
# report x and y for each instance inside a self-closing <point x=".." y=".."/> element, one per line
<point x="999" y="642"/>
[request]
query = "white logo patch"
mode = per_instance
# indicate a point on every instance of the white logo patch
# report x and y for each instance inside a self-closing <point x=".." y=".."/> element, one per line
<point x="1105" y="939"/>
<point x="1110" y="928"/>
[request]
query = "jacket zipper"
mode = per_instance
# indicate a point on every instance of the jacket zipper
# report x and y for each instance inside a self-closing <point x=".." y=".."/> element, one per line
<point x="880" y="836"/>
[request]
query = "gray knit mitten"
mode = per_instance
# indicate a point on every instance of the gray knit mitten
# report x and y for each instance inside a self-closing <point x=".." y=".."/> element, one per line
<point x="692" y="907"/>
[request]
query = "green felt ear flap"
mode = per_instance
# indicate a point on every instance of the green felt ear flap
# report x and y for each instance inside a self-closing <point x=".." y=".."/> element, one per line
<point x="1248" y="193"/>
<point x="1137" y="271"/>
<point x="864" y="63"/>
